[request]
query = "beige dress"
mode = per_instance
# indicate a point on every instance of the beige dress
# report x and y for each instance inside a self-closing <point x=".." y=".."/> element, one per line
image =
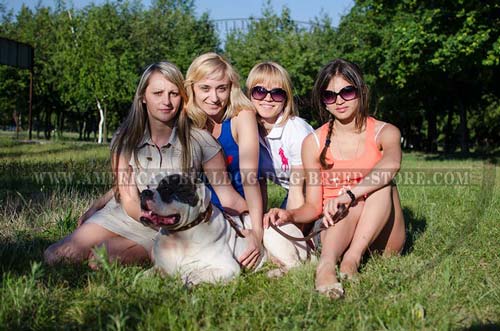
<point x="150" y="164"/>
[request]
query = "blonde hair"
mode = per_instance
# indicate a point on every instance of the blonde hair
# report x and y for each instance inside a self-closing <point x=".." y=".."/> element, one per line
<point x="274" y="74"/>
<point x="214" y="65"/>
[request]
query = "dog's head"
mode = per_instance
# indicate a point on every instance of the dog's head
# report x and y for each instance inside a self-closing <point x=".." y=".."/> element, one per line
<point x="176" y="202"/>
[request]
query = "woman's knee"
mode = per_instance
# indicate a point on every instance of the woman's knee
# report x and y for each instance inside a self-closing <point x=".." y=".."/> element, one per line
<point x="380" y="196"/>
<point x="49" y="255"/>
<point x="65" y="251"/>
<point x="391" y="239"/>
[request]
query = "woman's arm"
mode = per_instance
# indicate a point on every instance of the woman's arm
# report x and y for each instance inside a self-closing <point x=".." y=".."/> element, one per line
<point x="296" y="187"/>
<point x="311" y="209"/>
<point x="233" y="202"/>
<point x="386" y="169"/>
<point x="129" y="194"/>
<point x="247" y="137"/>
<point x="215" y="171"/>
<point x="295" y="131"/>
<point x="96" y="205"/>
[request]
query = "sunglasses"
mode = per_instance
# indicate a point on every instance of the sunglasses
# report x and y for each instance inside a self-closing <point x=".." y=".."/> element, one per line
<point x="347" y="93"/>
<point x="260" y="93"/>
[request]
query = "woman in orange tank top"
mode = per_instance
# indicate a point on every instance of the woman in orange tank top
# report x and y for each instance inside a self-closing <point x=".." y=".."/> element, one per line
<point x="351" y="161"/>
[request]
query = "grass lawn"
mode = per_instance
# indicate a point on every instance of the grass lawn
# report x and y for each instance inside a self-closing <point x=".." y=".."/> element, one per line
<point x="448" y="277"/>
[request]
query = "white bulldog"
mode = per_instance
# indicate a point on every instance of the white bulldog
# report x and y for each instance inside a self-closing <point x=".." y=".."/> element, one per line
<point x="197" y="241"/>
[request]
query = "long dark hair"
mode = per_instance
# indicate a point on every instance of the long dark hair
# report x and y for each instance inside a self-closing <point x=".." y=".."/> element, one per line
<point x="351" y="73"/>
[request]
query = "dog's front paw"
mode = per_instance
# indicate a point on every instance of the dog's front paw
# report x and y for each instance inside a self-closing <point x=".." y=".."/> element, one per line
<point x="152" y="272"/>
<point x="276" y="273"/>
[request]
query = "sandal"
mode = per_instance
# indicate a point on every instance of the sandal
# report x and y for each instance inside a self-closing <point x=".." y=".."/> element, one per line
<point x="333" y="291"/>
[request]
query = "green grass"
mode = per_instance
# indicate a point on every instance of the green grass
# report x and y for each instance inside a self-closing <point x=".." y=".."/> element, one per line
<point x="447" y="278"/>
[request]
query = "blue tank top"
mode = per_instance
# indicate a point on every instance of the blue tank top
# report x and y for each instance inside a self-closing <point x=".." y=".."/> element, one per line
<point x="232" y="158"/>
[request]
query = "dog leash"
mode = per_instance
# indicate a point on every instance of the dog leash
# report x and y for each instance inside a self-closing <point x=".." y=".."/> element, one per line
<point x="233" y="224"/>
<point x="339" y="215"/>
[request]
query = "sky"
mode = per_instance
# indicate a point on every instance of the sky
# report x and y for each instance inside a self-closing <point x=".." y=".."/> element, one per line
<point x="301" y="10"/>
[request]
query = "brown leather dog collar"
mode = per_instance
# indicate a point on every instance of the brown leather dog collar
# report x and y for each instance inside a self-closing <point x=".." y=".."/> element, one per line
<point x="204" y="217"/>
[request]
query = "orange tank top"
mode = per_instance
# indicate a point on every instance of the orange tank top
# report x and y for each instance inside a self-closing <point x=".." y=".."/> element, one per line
<point x="345" y="174"/>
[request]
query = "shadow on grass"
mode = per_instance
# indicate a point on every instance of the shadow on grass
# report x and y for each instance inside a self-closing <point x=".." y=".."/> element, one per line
<point x="17" y="255"/>
<point x="16" y="258"/>
<point x="483" y="327"/>
<point x="414" y="229"/>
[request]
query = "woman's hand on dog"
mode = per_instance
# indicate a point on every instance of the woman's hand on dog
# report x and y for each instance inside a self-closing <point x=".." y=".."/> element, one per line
<point x="251" y="256"/>
<point x="91" y="211"/>
<point x="277" y="216"/>
<point x="96" y="206"/>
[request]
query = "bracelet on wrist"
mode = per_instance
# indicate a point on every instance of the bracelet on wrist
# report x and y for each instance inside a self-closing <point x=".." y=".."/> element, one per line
<point x="351" y="195"/>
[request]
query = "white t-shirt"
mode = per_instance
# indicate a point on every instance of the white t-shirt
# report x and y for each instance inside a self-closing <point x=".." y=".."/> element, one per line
<point x="285" y="142"/>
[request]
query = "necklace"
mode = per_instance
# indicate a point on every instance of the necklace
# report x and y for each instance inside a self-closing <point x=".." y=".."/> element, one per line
<point x="342" y="156"/>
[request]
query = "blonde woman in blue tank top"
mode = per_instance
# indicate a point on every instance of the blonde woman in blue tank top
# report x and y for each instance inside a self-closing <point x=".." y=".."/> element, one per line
<point x="217" y="103"/>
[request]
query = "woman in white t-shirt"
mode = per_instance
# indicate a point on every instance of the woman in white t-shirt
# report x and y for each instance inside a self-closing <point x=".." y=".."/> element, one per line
<point x="270" y="89"/>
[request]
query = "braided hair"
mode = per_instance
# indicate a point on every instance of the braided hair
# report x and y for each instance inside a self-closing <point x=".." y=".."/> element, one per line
<point x="322" y="156"/>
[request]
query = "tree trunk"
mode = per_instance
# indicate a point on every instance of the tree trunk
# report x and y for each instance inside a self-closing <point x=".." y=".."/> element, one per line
<point x="449" y="145"/>
<point x="101" y="120"/>
<point x="81" y="127"/>
<point x="60" y="123"/>
<point x="48" y="124"/>
<point x="37" y="126"/>
<point x="15" y="117"/>
<point x="464" y="134"/>
<point x="431" y="129"/>
<point x="105" y="129"/>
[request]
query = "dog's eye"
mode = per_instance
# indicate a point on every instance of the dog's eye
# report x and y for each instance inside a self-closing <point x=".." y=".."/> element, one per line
<point x="163" y="184"/>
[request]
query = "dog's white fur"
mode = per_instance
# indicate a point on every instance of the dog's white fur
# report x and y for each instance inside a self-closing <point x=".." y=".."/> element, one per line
<point x="209" y="251"/>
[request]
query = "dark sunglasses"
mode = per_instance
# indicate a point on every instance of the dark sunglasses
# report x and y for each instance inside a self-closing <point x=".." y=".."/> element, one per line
<point x="260" y="93"/>
<point x="347" y="93"/>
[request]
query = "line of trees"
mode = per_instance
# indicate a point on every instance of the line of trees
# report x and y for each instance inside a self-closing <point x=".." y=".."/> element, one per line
<point x="432" y="66"/>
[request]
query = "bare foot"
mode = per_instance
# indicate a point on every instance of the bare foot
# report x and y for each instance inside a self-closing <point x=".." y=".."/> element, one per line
<point x="325" y="273"/>
<point x="349" y="267"/>
<point x="326" y="281"/>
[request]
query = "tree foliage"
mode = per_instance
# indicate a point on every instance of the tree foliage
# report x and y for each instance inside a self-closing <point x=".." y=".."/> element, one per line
<point x="278" y="38"/>
<point x="92" y="57"/>
<point x="431" y="65"/>
<point x="429" y="62"/>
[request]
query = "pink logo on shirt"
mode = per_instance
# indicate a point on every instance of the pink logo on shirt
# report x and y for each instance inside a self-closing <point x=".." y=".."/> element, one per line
<point x="284" y="161"/>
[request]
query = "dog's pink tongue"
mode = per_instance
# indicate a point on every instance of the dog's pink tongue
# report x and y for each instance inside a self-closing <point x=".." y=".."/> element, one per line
<point x="165" y="220"/>
<point x="157" y="219"/>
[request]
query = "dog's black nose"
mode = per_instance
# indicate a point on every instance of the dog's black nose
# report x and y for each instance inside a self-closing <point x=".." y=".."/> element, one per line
<point x="145" y="196"/>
